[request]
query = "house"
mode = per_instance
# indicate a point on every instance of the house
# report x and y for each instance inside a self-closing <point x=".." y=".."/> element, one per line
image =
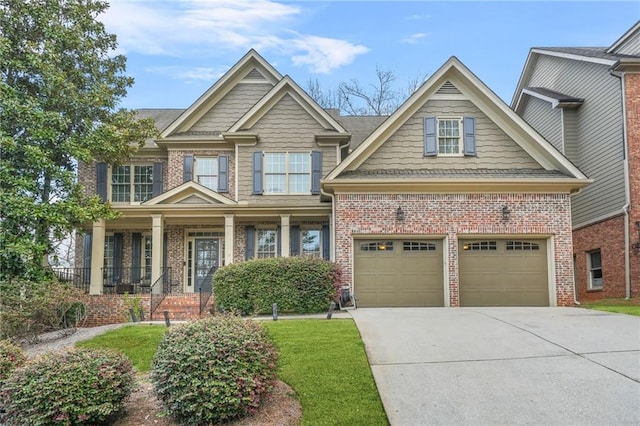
<point x="586" y="102"/>
<point x="453" y="200"/>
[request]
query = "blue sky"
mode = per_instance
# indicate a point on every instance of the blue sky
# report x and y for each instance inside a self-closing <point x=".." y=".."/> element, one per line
<point x="178" y="49"/>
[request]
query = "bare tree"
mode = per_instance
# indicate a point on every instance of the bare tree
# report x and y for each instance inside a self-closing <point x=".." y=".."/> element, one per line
<point x="328" y="99"/>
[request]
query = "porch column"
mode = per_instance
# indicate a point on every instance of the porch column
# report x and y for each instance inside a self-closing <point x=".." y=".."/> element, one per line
<point x="97" y="257"/>
<point x="157" y="229"/>
<point x="285" y="244"/>
<point x="229" y="245"/>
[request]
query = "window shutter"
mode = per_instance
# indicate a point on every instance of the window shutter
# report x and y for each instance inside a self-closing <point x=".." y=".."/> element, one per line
<point x="88" y="241"/>
<point x="326" y="242"/>
<point x="136" y="256"/>
<point x="316" y="172"/>
<point x="430" y="137"/>
<point x="294" y="233"/>
<point x="158" y="187"/>
<point x="117" y="257"/>
<point x="250" y="242"/>
<point x="278" y="241"/>
<point x="469" y="124"/>
<point x="165" y="249"/>
<point x="257" y="173"/>
<point x="187" y="168"/>
<point x="101" y="180"/>
<point x="223" y="173"/>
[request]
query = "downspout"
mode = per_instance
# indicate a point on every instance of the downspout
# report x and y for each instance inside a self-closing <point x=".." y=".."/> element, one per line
<point x="627" y="191"/>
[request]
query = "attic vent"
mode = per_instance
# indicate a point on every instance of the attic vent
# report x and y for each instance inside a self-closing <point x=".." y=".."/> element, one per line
<point x="448" y="89"/>
<point x="254" y="74"/>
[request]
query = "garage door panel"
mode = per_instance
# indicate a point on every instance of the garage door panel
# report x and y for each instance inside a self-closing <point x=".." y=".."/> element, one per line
<point x="503" y="273"/>
<point x="410" y="274"/>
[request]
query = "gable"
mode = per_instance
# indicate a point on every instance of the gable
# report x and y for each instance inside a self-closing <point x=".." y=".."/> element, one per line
<point x="404" y="150"/>
<point x="287" y="120"/>
<point x="190" y="193"/>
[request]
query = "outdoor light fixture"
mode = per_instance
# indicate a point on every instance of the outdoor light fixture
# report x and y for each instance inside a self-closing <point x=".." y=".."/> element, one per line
<point x="506" y="213"/>
<point x="400" y="214"/>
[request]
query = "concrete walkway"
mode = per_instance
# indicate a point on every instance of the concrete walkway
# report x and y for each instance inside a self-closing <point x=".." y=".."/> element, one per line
<point x="499" y="366"/>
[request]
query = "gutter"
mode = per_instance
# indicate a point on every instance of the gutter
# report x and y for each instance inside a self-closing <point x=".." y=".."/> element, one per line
<point x="627" y="190"/>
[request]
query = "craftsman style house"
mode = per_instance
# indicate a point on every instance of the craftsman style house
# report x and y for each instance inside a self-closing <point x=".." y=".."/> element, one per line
<point x="453" y="200"/>
<point x="586" y="102"/>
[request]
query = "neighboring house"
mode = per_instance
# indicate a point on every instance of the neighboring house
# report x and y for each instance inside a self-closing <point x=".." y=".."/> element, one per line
<point x="452" y="200"/>
<point x="586" y="102"/>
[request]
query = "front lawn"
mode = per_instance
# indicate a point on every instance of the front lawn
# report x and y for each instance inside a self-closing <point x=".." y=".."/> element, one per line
<point x="323" y="361"/>
<point x="621" y="306"/>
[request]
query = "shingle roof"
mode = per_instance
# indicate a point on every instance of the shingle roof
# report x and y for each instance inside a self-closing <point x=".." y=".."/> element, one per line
<point x="360" y="126"/>
<point x="452" y="173"/>
<point x="591" y="52"/>
<point x="162" y="116"/>
<point x="560" y="97"/>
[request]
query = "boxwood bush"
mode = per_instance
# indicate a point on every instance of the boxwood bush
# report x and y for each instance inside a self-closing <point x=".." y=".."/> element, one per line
<point x="213" y="370"/>
<point x="75" y="387"/>
<point x="297" y="284"/>
<point x="11" y="357"/>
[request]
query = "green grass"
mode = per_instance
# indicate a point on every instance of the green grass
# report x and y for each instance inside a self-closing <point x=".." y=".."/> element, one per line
<point x="138" y="342"/>
<point x="621" y="306"/>
<point x="325" y="362"/>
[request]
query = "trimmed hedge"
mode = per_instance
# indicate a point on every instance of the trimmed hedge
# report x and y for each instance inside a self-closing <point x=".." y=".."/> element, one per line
<point x="298" y="285"/>
<point x="75" y="387"/>
<point x="214" y="369"/>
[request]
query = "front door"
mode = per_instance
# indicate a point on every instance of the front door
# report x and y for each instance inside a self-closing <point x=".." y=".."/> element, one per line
<point x="206" y="261"/>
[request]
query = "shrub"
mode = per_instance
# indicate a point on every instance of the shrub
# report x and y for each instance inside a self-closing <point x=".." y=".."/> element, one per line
<point x="213" y="369"/>
<point x="297" y="284"/>
<point x="11" y="357"/>
<point x="80" y="386"/>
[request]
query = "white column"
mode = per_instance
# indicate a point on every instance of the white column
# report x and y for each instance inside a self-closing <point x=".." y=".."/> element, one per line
<point x="229" y="242"/>
<point x="97" y="256"/>
<point x="157" y="228"/>
<point x="285" y="244"/>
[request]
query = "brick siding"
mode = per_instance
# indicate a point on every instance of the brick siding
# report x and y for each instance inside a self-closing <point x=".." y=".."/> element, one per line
<point x="457" y="216"/>
<point x="632" y="96"/>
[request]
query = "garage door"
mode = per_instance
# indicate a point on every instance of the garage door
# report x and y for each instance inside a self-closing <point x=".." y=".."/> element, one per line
<point x="398" y="273"/>
<point x="503" y="273"/>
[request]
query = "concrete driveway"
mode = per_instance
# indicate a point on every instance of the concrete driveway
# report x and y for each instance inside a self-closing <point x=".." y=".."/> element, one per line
<point x="491" y="366"/>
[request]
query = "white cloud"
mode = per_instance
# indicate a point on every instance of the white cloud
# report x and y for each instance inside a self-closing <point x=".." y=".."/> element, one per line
<point x="414" y="38"/>
<point x="417" y="17"/>
<point x="199" y="28"/>
<point x="189" y="75"/>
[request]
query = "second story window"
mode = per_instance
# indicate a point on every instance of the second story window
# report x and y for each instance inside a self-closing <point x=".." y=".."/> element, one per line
<point x="287" y="172"/>
<point x="131" y="183"/>
<point x="207" y="172"/>
<point x="449" y="136"/>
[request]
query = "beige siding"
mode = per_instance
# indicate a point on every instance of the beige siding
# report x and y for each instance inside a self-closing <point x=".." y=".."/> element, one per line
<point x="405" y="148"/>
<point x="599" y="130"/>
<point x="286" y="127"/>
<point x="230" y="108"/>
<point x="546" y="120"/>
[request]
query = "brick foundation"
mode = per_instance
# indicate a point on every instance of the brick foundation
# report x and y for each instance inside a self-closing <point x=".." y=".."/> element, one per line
<point x="457" y="216"/>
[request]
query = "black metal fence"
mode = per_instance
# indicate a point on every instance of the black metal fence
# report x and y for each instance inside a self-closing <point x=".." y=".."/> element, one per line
<point x="77" y="277"/>
<point x="159" y="290"/>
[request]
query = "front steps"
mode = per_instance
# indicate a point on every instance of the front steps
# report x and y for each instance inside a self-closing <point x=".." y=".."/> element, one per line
<point x="181" y="307"/>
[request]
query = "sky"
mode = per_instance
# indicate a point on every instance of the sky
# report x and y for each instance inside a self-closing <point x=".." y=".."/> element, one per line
<point x="177" y="49"/>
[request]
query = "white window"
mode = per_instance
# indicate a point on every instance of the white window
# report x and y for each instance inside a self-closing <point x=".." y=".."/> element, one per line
<point x="146" y="256"/>
<point x="310" y="243"/>
<point x="449" y="136"/>
<point x="266" y="244"/>
<point x="206" y="171"/>
<point x="109" y="254"/>
<point x="131" y="183"/>
<point x="594" y="263"/>
<point x="287" y="172"/>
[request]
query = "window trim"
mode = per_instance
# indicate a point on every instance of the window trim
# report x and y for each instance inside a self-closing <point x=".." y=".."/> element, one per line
<point x="460" y="121"/>
<point x="320" y="242"/>
<point x="590" y="270"/>
<point x="196" y="175"/>
<point x="132" y="183"/>
<point x="256" y="250"/>
<point x="287" y="173"/>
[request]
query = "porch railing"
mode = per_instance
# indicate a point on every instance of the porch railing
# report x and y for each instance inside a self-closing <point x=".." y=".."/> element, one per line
<point x="77" y="277"/>
<point x="206" y="288"/>
<point x="159" y="290"/>
<point x="128" y="280"/>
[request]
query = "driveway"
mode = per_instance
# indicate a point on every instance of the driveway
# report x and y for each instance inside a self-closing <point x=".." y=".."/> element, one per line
<point x="491" y="366"/>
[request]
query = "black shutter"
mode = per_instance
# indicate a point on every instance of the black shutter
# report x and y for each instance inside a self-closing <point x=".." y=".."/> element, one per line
<point x="136" y="256"/>
<point x="158" y="186"/>
<point x="316" y="172"/>
<point x="223" y="173"/>
<point x="101" y="180"/>
<point x="165" y="249"/>
<point x="469" y="144"/>
<point x="278" y="241"/>
<point x="257" y="173"/>
<point x="294" y="234"/>
<point x="88" y="241"/>
<point x="250" y="242"/>
<point x="187" y="168"/>
<point x="117" y="257"/>
<point x="430" y="138"/>
<point x="326" y="242"/>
